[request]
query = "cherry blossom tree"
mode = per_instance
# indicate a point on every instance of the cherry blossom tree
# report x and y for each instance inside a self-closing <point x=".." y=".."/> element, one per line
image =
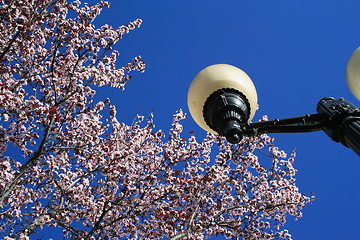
<point x="67" y="162"/>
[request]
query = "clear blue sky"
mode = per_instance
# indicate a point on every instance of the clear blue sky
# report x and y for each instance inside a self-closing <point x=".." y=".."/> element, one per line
<point x="295" y="51"/>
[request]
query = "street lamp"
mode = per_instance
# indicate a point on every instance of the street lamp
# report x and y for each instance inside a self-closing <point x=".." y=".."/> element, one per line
<point x="222" y="99"/>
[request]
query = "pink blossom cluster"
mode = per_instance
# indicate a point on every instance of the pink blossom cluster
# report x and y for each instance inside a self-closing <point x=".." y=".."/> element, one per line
<point x="67" y="161"/>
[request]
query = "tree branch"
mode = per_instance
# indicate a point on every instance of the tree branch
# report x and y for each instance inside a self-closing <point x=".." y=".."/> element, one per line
<point x="97" y="224"/>
<point x="31" y="162"/>
<point x="188" y="229"/>
<point x="37" y="222"/>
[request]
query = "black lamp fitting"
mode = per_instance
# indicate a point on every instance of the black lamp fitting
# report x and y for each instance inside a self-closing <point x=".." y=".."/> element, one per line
<point x="224" y="111"/>
<point x="343" y="123"/>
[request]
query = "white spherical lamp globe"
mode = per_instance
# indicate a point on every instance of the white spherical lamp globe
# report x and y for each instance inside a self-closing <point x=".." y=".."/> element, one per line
<point x="353" y="74"/>
<point x="215" y="78"/>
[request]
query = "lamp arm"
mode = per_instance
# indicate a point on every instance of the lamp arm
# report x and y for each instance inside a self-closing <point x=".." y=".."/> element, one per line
<point x="307" y="123"/>
<point x="338" y="118"/>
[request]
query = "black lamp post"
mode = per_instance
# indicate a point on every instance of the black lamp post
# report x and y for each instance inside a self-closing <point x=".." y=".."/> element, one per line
<point x="222" y="99"/>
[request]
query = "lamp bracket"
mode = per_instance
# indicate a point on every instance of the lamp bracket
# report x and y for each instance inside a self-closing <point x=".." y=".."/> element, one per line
<point x="341" y="113"/>
<point x="307" y="123"/>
